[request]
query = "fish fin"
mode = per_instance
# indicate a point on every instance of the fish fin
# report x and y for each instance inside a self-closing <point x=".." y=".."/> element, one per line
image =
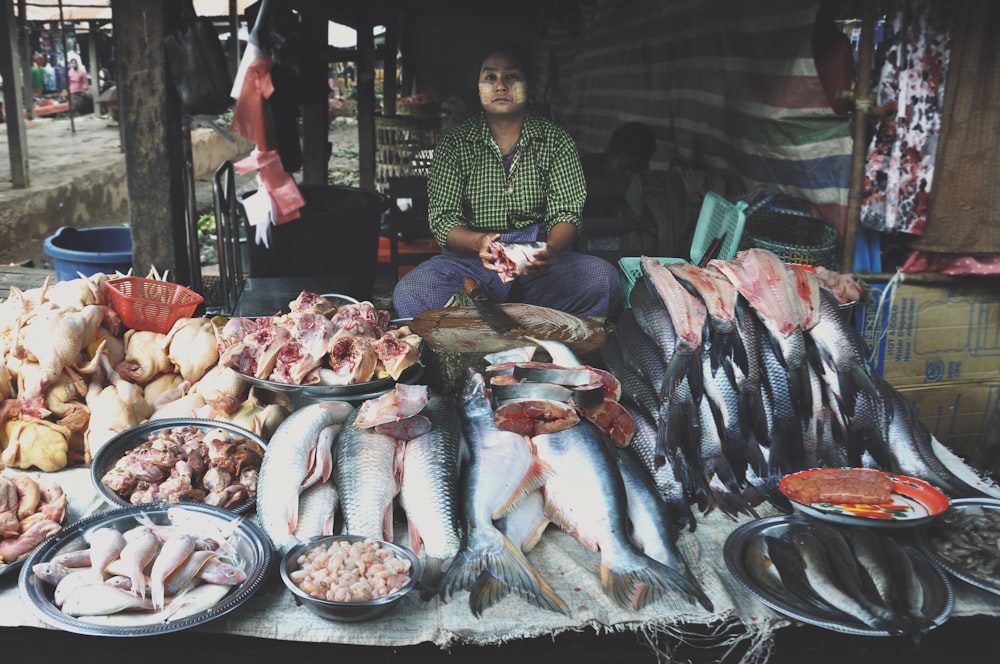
<point x="533" y="479"/>
<point x="431" y="573"/>
<point x="484" y="593"/>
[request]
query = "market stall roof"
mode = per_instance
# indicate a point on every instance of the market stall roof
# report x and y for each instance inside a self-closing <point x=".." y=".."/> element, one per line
<point x="94" y="10"/>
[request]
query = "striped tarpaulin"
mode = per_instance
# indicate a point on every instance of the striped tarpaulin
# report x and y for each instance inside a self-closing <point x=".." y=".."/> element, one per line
<point x="727" y="85"/>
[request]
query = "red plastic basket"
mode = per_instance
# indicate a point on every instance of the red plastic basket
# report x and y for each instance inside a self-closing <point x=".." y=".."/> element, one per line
<point x="148" y="304"/>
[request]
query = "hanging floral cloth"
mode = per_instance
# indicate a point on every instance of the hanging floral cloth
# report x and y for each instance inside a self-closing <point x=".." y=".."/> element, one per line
<point x="900" y="163"/>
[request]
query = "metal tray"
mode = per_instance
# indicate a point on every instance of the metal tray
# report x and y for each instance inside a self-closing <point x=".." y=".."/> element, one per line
<point x="302" y="395"/>
<point x="936" y="583"/>
<point x="253" y="547"/>
<point x="113" y="450"/>
<point x="963" y="574"/>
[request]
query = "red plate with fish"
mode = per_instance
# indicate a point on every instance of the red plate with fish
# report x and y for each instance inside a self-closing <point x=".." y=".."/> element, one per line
<point x="879" y="499"/>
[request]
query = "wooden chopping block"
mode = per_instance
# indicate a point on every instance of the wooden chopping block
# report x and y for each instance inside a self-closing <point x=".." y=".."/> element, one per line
<point x="457" y="338"/>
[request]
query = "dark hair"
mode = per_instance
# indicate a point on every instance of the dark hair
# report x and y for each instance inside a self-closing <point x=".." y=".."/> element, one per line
<point x="636" y="139"/>
<point x="515" y="50"/>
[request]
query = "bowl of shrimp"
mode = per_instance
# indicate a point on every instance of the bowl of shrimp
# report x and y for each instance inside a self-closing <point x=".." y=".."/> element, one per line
<point x="349" y="578"/>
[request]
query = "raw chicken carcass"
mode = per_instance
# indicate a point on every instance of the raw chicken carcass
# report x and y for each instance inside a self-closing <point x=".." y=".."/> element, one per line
<point x="308" y="302"/>
<point x="145" y="356"/>
<point x="191" y="346"/>
<point x="361" y="320"/>
<point x="33" y="443"/>
<point x="222" y="387"/>
<point x="113" y="408"/>
<point x="352" y="360"/>
<point x="56" y="337"/>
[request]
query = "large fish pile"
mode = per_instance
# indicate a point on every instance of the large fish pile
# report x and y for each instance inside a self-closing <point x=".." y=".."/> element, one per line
<point x="477" y="496"/>
<point x="744" y="371"/>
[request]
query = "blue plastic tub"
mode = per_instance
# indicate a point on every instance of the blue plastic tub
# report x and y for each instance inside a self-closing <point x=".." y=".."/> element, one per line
<point x="88" y="251"/>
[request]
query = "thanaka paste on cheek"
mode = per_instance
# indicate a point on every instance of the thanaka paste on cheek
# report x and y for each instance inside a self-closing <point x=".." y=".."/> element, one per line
<point x="519" y="92"/>
<point x="485" y="92"/>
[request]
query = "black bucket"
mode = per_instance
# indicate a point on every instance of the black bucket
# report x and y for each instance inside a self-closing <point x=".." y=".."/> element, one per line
<point x="337" y="235"/>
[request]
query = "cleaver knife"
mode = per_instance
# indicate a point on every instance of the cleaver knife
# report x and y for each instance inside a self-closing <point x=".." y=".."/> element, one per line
<point x="498" y="320"/>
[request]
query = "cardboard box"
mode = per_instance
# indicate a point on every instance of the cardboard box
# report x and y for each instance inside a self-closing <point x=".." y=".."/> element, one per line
<point x="937" y="340"/>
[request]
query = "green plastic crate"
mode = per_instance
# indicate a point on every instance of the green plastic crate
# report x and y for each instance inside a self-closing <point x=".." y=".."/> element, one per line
<point x="631" y="271"/>
<point x="718" y="219"/>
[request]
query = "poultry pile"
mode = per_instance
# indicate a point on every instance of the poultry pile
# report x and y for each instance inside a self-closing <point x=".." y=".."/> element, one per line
<point x="72" y="376"/>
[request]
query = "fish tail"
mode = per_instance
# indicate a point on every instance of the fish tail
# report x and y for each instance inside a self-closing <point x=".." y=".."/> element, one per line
<point x="484" y="593"/>
<point x="157" y="594"/>
<point x="493" y="554"/>
<point x="431" y="573"/>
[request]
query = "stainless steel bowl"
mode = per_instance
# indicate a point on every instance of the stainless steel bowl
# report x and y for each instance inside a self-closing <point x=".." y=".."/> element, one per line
<point x="113" y="450"/>
<point x="346" y="611"/>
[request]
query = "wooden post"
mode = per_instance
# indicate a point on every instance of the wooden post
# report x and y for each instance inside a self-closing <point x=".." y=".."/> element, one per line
<point x="862" y="105"/>
<point x="391" y="64"/>
<point x="25" y="45"/>
<point x="150" y="114"/>
<point x="315" y="112"/>
<point x="366" y="104"/>
<point x="94" y="68"/>
<point x="234" y="40"/>
<point x="10" y="70"/>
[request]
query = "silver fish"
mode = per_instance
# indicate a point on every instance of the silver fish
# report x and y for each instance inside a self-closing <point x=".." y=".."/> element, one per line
<point x="173" y="554"/>
<point x="140" y="549"/>
<point x="586" y="497"/>
<point x="849" y="576"/>
<point x="367" y="476"/>
<point x="101" y="600"/>
<point x="195" y="601"/>
<point x="499" y="472"/>
<point x="822" y="579"/>
<point x="667" y="476"/>
<point x="297" y="455"/>
<point x="652" y="530"/>
<point x="105" y="545"/>
<point x="317" y="513"/>
<point x="429" y="492"/>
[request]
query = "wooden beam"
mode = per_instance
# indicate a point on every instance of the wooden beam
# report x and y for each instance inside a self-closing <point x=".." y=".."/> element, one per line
<point x="862" y="102"/>
<point x="154" y="151"/>
<point x="10" y="70"/>
<point x="25" y="45"/>
<point x="315" y="112"/>
<point x="390" y="65"/>
<point x="366" y="106"/>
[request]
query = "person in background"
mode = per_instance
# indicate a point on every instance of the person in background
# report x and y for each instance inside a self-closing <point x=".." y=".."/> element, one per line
<point x="629" y="150"/>
<point x="509" y="175"/>
<point x="619" y="221"/>
<point x="49" y="77"/>
<point x="77" y="86"/>
<point x="37" y="78"/>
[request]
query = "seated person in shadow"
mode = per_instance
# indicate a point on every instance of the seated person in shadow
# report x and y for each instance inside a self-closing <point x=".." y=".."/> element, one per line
<point x="615" y="210"/>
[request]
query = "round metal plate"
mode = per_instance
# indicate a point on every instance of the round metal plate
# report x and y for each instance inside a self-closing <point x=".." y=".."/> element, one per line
<point x="939" y="600"/>
<point x="252" y="546"/>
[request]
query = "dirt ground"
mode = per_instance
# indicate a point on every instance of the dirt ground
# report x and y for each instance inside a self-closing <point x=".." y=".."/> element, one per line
<point x="60" y="150"/>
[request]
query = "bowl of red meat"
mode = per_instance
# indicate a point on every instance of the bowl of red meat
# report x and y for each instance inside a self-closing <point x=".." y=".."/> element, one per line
<point x="321" y="574"/>
<point x="181" y="460"/>
<point x="323" y="348"/>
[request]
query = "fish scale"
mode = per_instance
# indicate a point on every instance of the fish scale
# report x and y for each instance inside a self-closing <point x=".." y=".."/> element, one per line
<point x="499" y="471"/>
<point x="367" y="476"/>
<point x="586" y="497"/>
<point x="429" y="489"/>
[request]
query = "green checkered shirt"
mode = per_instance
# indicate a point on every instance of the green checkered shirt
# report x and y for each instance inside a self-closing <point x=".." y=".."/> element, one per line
<point x="468" y="186"/>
